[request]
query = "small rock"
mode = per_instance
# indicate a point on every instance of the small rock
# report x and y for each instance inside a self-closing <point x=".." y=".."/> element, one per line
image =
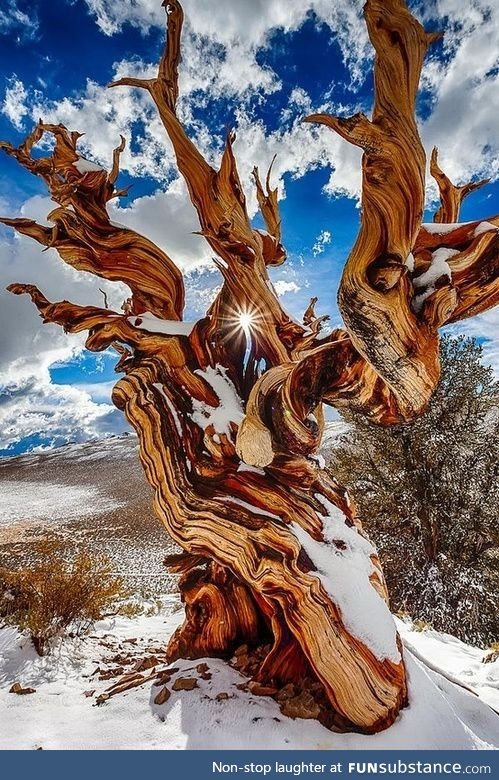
<point x="145" y="663"/>
<point x="163" y="696"/>
<point x="287" y="692"/>
<point x="202" y="668"/>
<point x="88" y="694"/>
<point x="171" y="670"/>
<point x="261" y="690"/>
<point x="18" y="688"/>
<point x="241" y="661"/>
<point x="185" y="684"/>
<point x="163" y="677"/>
<point x="108" y="673"/>
<point x="101" y="698"/>
<point x="222" y="696"/>
<point x="301" y="706"/>
<point x="121" y="659"/>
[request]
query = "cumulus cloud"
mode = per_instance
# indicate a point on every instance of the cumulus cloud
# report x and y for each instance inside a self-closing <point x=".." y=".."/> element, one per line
<point x="37" y="408"/>
<point x="167" y="218"/>
<point x="281" y="287"/>
<point x="298" y="149"/>
<point x="485" y="328"/>
<point x="223" y="57"/>
<point x="464" y="89"/>
<point x="14" y="104"/>
<point x="241" y="28"/>
<point x="220" y="50"/>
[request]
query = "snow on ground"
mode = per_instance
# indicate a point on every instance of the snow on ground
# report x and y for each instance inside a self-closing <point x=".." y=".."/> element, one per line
<point x="458" y="661"/>
<point x="51" y="501"/>
<point x="60" y="716"/>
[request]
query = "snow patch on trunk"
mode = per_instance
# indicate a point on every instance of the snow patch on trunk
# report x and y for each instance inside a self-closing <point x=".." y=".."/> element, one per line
<point x="230" y="408"/>
<point x="442" y="227"/>
<point x="343" y="565"/>
<point x="484" y="227"/>
<point x="151" y="323"/>
<point x="439" y="267"/>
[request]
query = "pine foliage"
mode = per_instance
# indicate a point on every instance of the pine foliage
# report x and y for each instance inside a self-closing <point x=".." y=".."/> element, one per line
<point x="428" y="495"/>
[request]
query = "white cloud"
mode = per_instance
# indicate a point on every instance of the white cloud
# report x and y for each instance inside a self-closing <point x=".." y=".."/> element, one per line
<point x="242" y="28"/>
<point x="221" y="44"/>
<point x="322" y="240"/>
<point x="484" y="327"/>
<point x="299" y="103"/>
<point x="299" y="149"/>
<point x="281" y="287"/>
<point x="168" y="218"/>
<point x="103" y="114"/>
<point x="60" y="413"/>
<point x="14" y="21"/>
<point x="14" y="104"/>
<point x="464" y="88"/>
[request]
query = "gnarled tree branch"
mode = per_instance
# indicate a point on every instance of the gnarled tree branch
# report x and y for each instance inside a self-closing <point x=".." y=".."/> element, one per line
<point x="83" y="234"/>
<point x="451" y="195"/>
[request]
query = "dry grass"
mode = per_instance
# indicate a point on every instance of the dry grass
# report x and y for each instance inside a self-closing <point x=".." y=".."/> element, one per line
<point x="56" y="595"/>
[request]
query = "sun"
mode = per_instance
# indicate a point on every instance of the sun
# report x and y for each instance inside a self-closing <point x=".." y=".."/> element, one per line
<point x="246" y="321"/>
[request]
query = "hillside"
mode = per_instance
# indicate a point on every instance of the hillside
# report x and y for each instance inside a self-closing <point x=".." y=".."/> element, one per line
<point x="93" y="493"/>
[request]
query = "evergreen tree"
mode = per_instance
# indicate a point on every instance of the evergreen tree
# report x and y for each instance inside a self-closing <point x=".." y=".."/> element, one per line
<point x="428" y="492"/>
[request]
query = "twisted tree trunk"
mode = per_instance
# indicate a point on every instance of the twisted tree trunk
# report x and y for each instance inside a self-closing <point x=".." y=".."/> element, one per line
<point x="229" y="410"/>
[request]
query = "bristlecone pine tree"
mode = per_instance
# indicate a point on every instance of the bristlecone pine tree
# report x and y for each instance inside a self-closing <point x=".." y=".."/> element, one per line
<point x="228" y="412"/>
<point x="428" y="493"/>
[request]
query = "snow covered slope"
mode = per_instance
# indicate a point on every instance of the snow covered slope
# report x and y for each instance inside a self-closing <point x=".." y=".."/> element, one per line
<point x="333" y="430"/>
<point x="93" y="494"/>
<point x="216" y="714"/>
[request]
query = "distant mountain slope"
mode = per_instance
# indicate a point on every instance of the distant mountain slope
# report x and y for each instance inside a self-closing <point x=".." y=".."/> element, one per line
<point x="93" y="494"/>
<point x="333" y="430"/>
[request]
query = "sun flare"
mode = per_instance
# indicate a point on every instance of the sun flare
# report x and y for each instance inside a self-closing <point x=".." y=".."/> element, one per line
<point x="246" y="320"/>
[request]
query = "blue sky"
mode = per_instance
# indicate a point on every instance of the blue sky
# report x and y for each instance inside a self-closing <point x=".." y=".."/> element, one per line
<point x="258" y="67"/>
